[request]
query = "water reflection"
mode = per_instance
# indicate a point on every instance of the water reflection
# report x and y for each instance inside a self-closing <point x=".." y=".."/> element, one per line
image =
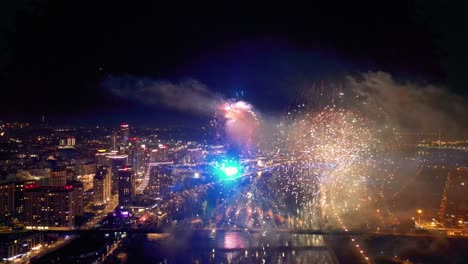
<point x="234" y="240"/>
<point x="228" y="247"/>
<point x="241" y="240"/>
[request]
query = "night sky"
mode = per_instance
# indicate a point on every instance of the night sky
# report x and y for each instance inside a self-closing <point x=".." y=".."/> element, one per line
<point x="54" y="55"/>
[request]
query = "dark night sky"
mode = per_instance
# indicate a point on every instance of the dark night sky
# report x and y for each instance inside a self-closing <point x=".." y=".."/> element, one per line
<point x="55" y="54"/>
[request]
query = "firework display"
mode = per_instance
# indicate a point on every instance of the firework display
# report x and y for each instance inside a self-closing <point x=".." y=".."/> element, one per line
<point x="328" y="164"/>
<point x="241" y="124"/>
<point x="323" y="159"/>
<point x="339" y="146"/>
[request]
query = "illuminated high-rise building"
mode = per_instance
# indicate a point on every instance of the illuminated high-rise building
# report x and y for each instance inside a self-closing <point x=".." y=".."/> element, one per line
<point x="7" y="199"/>
<point x="77" y="199"/>
<point x="126" y="185"/>
<point x="49" y="207"/>
<point x="101" y="158"/>
<point x="67" y="141"/>
<point x="58" y="177"/>
<point x="71" y="141"/>
<point x="141" y="158"/>
<point x="160" y="180"/>
<point x="113" y="142"/>
<point x="159" y="154"/>
<point x="102" y="186"/>
<point x="123" y="137"/>
<point x="115" y="162"/>
<point x="19" y="197"/>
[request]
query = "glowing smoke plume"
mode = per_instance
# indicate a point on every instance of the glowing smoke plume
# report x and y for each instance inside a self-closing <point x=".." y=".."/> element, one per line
<point x="189" y="96"/>
<point x="241" y="124"/>
<point x="410" y="106"/>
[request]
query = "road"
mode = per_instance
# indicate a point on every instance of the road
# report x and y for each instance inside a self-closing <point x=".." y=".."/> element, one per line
<point x="45" y="250"/>
<point x="110" y="207"/>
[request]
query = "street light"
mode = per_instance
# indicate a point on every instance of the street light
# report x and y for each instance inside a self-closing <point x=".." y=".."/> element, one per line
<point x="419" y="213"/>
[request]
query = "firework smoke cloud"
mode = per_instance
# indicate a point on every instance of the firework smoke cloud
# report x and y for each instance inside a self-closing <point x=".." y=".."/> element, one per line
<point x="240" y="122"/>
<point x="186" y="96"/>
<point x="409" y="106"/>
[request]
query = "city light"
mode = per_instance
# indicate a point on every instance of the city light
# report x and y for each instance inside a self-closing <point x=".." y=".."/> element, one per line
<point x="419" y="213"/>
<point x="331" y="142"/>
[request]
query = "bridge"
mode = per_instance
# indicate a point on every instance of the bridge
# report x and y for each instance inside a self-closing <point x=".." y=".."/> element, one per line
<point x="331" y="232"/>
<point x="465" y="148"/>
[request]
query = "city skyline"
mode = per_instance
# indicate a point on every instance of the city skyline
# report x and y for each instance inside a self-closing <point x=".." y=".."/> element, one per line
<point x="149" y="133"/>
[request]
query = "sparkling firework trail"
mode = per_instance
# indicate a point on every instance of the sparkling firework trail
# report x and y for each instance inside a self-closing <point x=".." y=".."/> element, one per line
<point x="330" y="156"/>
<point x="338" y="145"/>
<point x="329" y="160"/>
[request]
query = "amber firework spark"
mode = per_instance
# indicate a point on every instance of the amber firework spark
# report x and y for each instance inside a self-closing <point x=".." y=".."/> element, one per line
<point x="339" y="145"/>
